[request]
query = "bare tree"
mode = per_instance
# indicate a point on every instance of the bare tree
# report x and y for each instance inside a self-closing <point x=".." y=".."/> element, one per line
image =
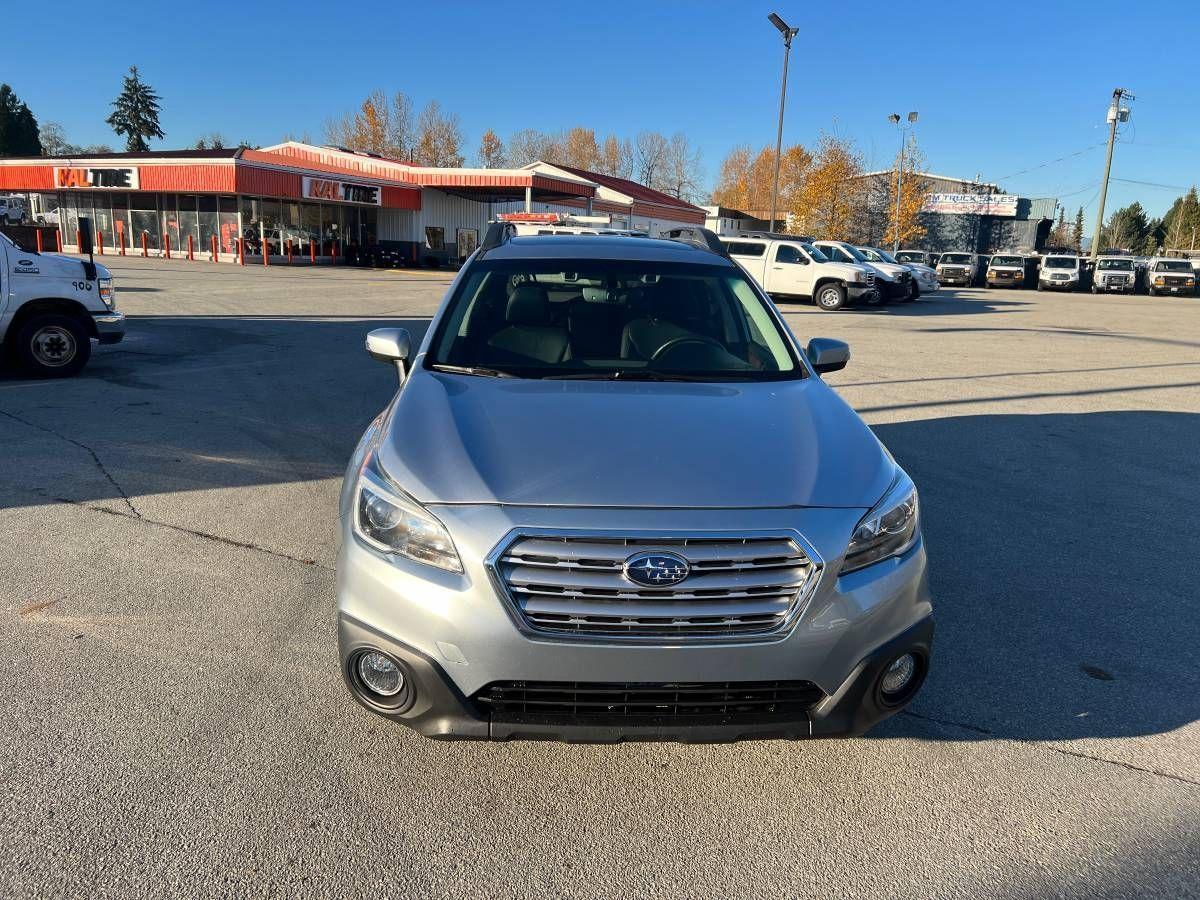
<point x="681" y="172"/>
<point x="616" y="157"/>
<point x="439" y="137"/>
<point x="530" y="145"/>
<point x="650" y="149"/>
<point x="377" y="126"/>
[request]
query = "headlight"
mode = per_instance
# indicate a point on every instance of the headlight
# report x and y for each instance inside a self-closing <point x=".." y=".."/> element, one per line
<point x="992" y="274"/>
<point x="860" y="277"/>
<point x="888" y="530"/>
<point x="107" y="294"/>
<point x="392" y="522"/>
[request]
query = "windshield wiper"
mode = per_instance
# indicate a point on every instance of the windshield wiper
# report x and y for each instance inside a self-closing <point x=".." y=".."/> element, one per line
<point x="472" y="370"/>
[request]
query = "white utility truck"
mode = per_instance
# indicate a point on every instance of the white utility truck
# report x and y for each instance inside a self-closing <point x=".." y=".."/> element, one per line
<point x="51" y="309"/>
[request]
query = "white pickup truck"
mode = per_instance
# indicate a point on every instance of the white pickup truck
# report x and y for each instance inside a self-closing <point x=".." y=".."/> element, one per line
<point x="795" y="268"/>
<point x="51" y="309"/>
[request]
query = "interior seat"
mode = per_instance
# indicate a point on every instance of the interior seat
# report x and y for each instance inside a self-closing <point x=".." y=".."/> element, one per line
<point x="529" y="334"/>
<point x="673" y="309"/>
<point x="594" y="325"/>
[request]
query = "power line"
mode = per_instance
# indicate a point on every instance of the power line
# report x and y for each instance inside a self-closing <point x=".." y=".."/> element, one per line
<point x="1170" y="187"/>
<point x="1051" y="162"/>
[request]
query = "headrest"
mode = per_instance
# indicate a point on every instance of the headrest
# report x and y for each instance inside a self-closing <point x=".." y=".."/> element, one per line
<point x="528" y="304"/>
<point x="678" y="300"/>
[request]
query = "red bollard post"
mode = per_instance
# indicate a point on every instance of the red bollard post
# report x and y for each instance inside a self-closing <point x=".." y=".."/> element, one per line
<point x="334" y="250"/>
<point x="266" y="251"/>
<point x="39" y="240"/>
<point x="191" y="250"/>
<point x="214" y="248"/>
<point x="291" y="258"/>
<point x="241" y="251"/>
<point x="312" y="253"/>
<point x="146" y="244"/>
<point x="100" y="241"/>
<point x="58" y="238"/>
<point x="167" y="244"/>
<point x="121" y="240"/>
<point x="78" y="239"/>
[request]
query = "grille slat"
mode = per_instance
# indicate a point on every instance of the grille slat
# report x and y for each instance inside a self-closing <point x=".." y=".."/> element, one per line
<point x="576" y="586"/>
<point x="645" y="701"/>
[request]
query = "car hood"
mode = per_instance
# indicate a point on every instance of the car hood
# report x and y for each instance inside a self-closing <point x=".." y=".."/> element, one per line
<point x="468" y="439"/>
<point x="843" y="270"/>
<point x="921" y="269"/>
<point x="894" y="271"/>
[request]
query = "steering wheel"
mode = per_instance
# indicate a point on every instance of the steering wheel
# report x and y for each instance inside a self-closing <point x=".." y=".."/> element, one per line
<point x="685" y="339"/>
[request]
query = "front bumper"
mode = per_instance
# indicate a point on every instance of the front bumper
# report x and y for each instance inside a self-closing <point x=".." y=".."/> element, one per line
<point x="962" y="279"/>
<point x="1107" y="286"/>
<point x="862" y="293"/>
<point x="1068" y="285"/>
<point x="110" y="326"/>
<point x="456" y="634"/>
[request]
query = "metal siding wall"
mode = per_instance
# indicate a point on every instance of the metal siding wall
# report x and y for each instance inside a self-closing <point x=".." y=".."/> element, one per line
<point x="400" y="198"/>
<point x="396" y="224"/>
<point x="267" y="182"/>
<point x="27" y="178"/>
<point x="189" y="178"/>
<point x="441" y="210"/>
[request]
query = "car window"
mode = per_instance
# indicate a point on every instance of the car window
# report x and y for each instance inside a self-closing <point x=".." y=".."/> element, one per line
<point x="608" y="318"/>
<point x="745" y="248"/>
<point x="786" y="253"/>
<point x="1007" y="261"/>
<point x="1174" y="265"/>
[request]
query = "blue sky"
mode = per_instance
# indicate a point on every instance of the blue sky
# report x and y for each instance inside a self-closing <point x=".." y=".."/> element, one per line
<point x="1000" y="89"/>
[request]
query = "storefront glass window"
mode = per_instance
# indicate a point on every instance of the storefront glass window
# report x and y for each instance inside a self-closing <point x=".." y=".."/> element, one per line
<point x="272" y="220"/>
<point x="370" y="225"/>
<point x="227" y="217"/>
<point x="120" y="212"/>
<point x="252" y="223"/>
<point x="310" y="223"/>
<point x="350" y="226"/>
<point x="144" y="221"/>
<point x="70" y="226"/>
<point x="206" y="222"/>
<point x="170" y="217"/>
<point x="188" y="222"/>
<point x="102" y="224"/>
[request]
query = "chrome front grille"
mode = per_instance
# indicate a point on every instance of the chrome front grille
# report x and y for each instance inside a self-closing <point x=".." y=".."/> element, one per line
<point x="576" y="586"/>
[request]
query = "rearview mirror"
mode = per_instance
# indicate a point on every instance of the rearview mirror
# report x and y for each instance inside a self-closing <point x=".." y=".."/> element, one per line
<point x="390" y="345"/>
<point x="827" y="355"/>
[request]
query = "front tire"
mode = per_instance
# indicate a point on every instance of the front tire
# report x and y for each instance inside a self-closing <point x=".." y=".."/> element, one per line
<point x="52" y="346"/>
<point x="914" y="291"/>
<point x="831" y="297"/>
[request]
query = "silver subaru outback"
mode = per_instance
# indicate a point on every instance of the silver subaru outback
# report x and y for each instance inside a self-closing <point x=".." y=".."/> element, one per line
<point x="613" y="500"/>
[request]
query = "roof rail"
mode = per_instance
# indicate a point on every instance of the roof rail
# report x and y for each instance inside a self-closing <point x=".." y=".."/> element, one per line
<point x="696" y="236"/>
<point x="497" y="233"/>
<point x="776" y="235"/>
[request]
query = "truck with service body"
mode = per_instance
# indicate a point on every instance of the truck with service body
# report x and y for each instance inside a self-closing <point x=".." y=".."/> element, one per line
<point x="51" y="309"/>
<point x="795" y="268"/>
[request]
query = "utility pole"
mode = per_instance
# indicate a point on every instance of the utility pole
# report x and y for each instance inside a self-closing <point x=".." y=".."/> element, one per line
<point x="1115" y="113"/>
<point x="788" y="33"/>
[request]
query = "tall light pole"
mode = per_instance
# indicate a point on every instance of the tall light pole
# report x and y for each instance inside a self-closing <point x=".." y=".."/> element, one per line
<point x="894" y="118"/>
<point x="1115" y="114"/>
<point x="788" y="33"/>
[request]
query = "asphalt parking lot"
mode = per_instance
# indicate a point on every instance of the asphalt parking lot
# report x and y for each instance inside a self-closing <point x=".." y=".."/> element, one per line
<point x="174" y="723"/>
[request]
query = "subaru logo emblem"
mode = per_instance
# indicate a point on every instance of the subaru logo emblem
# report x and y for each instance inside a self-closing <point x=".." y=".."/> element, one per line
<point x="657" y="569"/>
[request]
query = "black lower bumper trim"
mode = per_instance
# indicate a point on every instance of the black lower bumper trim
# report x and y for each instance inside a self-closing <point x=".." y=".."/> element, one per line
<point x="441" y="711"/>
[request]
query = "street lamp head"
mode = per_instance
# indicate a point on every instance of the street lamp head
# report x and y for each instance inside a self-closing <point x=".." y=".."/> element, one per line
<point x="912" y="118"/>
<point x="894" y="118"/>
<point x="784" y="29"/>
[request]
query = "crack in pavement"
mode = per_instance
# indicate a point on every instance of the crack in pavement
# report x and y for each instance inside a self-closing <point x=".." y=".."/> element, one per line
<point x="229" y="542"/>
<point x="1046" y="746"/>
<point x="95" y="457"/>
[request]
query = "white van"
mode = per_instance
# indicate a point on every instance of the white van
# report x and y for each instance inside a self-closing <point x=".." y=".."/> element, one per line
<point x="792" y="267"/>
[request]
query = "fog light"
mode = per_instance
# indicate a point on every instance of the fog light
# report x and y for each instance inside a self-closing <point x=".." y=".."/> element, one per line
<point x="380" y="674"/>
<point x="898" y="676"/>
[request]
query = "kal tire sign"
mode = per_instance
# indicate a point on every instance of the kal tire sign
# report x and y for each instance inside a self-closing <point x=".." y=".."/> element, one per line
<point x="341" y="191"/>
<point x="113" y="179"/>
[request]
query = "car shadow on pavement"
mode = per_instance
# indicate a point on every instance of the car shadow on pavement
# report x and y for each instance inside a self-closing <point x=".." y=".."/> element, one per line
<point x="1064" y="570"/>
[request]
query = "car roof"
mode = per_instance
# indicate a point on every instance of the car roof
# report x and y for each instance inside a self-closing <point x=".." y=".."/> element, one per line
<point x="603" y="246"/>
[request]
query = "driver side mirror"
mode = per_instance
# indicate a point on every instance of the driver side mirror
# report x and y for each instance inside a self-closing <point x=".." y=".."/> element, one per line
<point x="827" y="355"/>
<point x="391" y="345"/>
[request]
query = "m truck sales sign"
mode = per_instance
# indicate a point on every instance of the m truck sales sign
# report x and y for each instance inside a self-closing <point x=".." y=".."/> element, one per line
<point x="114" y="179"/>
<point x="972" y="204"/>
<point x="340" y="191"/>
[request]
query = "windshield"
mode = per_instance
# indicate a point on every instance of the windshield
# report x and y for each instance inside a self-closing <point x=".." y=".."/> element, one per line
<point x="956" y="258"/>
<point x="1007" y="261"/>
<point x="815" y="253"/>
<point x="611" y="319"/>
<point x="872" y="255"/>
<point x="885" y="256"/>
<point x="1173" y="265"/>
<point x="1123" y="264"/>
<point x="1060" y="262"/>
<point x="910" y="256"/>
<point x="852" y="251"/>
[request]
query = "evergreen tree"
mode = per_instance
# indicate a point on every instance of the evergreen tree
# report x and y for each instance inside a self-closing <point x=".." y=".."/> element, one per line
<point x="1127" y="229"/>
<point x="135" y="113"/>
<point x="19" y="134"/>
<point x="1077" y="232"/>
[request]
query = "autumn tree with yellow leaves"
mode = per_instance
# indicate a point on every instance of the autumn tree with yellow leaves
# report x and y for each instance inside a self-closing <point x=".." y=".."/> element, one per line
<point x="746" y="179"/>
<point x="914" y="191"/>
<point x="831" y="197"/>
